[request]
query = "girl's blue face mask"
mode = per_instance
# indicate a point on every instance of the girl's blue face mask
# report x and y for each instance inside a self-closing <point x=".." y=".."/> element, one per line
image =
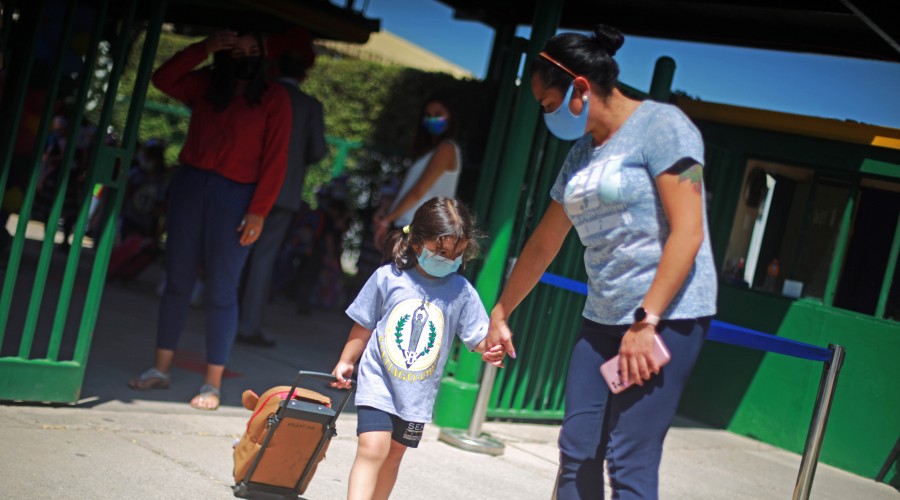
<point x="437" y="266"/>
<point x="435" y="125"/>
<point x="562" y="123"/>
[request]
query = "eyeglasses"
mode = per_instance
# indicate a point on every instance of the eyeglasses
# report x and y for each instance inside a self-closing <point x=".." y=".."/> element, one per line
<point x="558" y="64"/>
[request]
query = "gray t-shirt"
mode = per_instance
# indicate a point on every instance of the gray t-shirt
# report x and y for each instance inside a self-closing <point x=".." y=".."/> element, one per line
<point x="413" y="321"/>
<point x="610" y="196"/>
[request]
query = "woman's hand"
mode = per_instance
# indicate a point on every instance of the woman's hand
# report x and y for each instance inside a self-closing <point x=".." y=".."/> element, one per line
<point x="499" y="336"/>
<point x="382" y="226"/>
<point x="222" y="40"/>
<point x="636" y="354"/>
<point x="251" y="227"/>
<point x="342" y="372"/>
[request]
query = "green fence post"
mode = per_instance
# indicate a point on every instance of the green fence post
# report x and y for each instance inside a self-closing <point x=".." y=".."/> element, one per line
<point x="889" y="272"/>
<point x="43" y="267"/>
<point x="129" y="140"/>
<point x="13" y="105"/>
<point x="497" y="136"/>
<point x="96" y="160"/>
<point x="840" y="246"/>
<point x="457" y="395"/>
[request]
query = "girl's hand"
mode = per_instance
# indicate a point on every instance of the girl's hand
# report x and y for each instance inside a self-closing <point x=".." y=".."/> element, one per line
<point x="494" y="355"/>
<point x="222" y="40"/>
<point x="251" y="227"/>
<point x="636" y="354"/>
<point x="342" y="372"/>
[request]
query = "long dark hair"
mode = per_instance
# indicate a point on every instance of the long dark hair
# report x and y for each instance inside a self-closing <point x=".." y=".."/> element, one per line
<point x="223" y="83"/>
<point x="436" y="219"/>
<point x="588" y="56"/>
<point x="425" y="141"/>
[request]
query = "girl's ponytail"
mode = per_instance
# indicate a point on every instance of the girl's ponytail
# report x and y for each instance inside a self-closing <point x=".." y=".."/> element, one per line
<point x="398" y="250"/>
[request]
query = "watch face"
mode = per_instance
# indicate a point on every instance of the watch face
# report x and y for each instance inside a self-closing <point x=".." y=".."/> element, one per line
<point x="640" y="314"/>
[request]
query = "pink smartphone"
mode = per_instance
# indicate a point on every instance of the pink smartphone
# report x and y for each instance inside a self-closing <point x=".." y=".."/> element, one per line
<point x="610" y="369"/>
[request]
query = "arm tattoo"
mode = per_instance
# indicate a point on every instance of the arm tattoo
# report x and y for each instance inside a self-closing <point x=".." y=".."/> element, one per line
<point x="694" y="175"/>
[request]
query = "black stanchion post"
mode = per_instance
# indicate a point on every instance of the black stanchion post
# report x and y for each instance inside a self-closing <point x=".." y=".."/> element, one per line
<point x="816" y="433"/>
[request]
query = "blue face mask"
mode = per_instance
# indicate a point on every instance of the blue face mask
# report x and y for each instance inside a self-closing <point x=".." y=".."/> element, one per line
<point x="435" y="125"/>
<point x="437" y="266"/>
<point x="563" y="124"/>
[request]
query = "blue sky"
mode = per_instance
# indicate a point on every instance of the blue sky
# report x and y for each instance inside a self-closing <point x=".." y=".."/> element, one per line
<point x="806" y="84"/>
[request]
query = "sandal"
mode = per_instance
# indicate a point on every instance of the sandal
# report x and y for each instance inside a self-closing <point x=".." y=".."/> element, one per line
<point x="150" y="379"/>
<point x="206" y="399"/>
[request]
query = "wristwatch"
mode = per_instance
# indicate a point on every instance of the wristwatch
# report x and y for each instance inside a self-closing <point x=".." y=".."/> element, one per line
<point x="641" y="315"/>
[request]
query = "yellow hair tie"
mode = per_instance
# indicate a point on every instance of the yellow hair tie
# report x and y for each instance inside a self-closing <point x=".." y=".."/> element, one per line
<point x="406" y="229"/>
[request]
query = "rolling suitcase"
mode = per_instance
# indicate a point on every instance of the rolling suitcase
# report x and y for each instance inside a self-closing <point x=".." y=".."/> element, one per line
<point x="286" y="438"/>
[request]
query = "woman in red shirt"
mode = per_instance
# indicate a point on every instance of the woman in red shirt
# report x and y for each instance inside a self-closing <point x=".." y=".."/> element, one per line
<point x="232" y="165"/>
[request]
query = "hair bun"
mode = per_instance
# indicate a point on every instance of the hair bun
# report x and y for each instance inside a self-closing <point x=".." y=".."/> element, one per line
<point x="608" y="38"/>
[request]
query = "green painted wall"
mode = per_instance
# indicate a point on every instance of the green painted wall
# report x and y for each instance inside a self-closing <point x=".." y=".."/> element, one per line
<point x="770" y="397"/>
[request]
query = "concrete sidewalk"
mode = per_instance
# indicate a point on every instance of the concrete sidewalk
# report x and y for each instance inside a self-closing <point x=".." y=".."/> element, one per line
<point x="117" y="443"/>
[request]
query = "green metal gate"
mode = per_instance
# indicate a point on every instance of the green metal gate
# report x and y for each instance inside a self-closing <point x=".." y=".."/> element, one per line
<point x="70" y="52"/>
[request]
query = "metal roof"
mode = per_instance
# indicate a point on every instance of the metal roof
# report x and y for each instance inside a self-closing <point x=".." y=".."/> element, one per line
<point x="324" y="19"/>
<point x="853" y="28"/>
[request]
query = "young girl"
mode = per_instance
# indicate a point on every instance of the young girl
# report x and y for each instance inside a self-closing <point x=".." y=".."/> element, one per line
<point x="414" y="306"/>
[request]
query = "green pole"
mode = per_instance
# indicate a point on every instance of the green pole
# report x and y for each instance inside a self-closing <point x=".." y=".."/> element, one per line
<point x="663" y="74"/>
<point x="889" y="272"/>
<point x="13" y="105"/>
<point x="129" y="142"/>
<point x="506" y="95"/>
<point x="840" y="247"/>
<point x="40" y="277"/>
<point x="456" y="400"/>
<point x="98" y="162"/>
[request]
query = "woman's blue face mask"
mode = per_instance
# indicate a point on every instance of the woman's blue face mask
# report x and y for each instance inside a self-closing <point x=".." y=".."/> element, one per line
<point x="437" y="266"/>
<point x="562" y="123"/>
<point x="435" y="125"/>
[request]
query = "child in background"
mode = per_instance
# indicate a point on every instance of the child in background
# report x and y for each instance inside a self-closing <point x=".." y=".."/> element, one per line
<point x="414" y="306"/>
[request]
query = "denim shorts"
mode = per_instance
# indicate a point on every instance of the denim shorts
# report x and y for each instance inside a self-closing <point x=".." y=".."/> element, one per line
<point x="372" y="419"/>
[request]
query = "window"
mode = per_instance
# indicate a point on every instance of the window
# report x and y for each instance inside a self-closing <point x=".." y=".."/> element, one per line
<point x="786" y="230"/>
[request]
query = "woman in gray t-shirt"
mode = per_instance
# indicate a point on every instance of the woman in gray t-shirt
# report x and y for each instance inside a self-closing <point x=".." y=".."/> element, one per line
<point x="632" y="187"/>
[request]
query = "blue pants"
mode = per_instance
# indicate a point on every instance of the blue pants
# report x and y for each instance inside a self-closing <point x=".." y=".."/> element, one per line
<point x="625" y="429"/>
<point x="204" y="212"/>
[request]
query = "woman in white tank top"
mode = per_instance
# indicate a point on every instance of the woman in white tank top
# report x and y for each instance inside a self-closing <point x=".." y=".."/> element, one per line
<point x="435" y="171"/>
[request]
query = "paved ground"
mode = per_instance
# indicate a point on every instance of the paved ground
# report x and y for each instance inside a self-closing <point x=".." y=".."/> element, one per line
<point x="118" y="443"/>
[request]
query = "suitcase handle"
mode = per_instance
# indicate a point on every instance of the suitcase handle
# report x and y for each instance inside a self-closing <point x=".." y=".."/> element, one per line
<point x="324" y="377"/>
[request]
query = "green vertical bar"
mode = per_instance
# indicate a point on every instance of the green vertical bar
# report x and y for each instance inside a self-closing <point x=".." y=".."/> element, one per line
<point x="40" y="278"/>
<point x="21" y="75"/>
<point x="506" y="95"/>
<point x="807" y="221"/>
<point x="132" y="123"/>
<point x="889" y="272"/>
<point x="840" y="246"/>
<point x="83" y="87"/>
<point x="500" y="52"/>
<point x="454" y="409"/>
<point x="65" y="293"/>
